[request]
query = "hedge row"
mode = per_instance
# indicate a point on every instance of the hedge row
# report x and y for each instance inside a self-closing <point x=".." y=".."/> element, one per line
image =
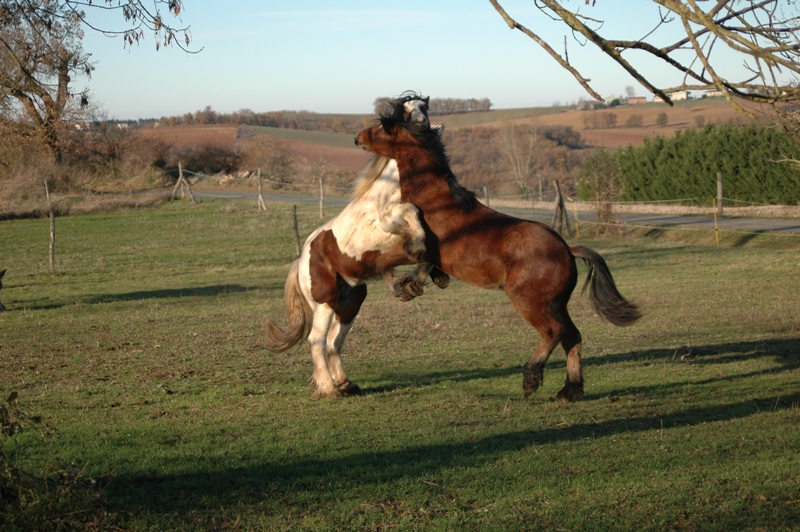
<point x="752" y="160"/>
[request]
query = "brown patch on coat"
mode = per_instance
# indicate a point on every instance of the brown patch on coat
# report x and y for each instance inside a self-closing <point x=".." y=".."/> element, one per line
<point x="329" y="267"/>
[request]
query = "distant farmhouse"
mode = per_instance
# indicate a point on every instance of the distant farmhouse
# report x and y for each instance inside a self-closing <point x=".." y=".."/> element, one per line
<point x="678" y="96"/>
<point x="681" y="95"/>
<point x="633" y="100"/>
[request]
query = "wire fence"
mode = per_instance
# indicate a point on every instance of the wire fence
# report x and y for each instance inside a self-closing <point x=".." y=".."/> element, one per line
<point x="538" y="206"/>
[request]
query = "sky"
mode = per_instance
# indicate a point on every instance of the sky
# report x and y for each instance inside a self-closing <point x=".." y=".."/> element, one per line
<point x="338" y="57"/>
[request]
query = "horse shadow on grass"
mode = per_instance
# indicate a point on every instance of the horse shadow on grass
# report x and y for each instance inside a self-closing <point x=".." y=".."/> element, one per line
<point x="143" y="295"/>
<point x="278" y="483"/>
<point x="785" y="351"/>
<point x="272" y="483"/>
<point x="406" y="380"/>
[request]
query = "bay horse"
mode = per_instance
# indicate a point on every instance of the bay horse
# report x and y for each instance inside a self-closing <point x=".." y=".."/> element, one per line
<point x="528" y="260"/>
<point x="372" y="235"/>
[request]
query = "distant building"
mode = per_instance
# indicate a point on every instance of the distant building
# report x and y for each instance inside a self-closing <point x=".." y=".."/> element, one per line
<point x="713" y="94"/>
<point x="681" y="95"/>
<point x="633" y="100"/>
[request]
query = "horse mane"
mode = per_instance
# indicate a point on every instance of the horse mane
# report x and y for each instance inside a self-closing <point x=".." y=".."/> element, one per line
<point x="431" y="140"/>
<point x="367" y="177"/>
<point x="407" y="96"/>
<point x="404" y="98"/>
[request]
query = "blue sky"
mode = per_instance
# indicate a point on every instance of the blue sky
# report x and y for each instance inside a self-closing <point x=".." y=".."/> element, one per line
<point x="337" y="57"/>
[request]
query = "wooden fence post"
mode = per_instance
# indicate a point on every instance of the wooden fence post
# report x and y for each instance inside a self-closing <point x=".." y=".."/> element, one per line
<point x="183" y="184"/>
<point x="560" y="217"/>
<point x="261" y="205"/>
<point x="321" y="200"/>
<point x="719" y="193"/>
<point x="52" y="253"/>
<point x="296" y="231"/>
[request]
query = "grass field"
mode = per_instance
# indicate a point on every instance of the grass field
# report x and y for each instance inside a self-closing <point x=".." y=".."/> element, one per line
<point x="153" y="405"/>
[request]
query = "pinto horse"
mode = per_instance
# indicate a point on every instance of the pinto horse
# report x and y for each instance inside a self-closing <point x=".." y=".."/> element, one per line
<point x="528" y="260"/>
<point x="327" y="284"/>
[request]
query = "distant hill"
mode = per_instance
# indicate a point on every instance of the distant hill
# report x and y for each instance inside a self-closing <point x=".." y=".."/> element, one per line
<point x="338" y="148"/>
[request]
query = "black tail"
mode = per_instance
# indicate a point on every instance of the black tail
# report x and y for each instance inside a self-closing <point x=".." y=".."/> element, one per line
<point x="606" y="300"/>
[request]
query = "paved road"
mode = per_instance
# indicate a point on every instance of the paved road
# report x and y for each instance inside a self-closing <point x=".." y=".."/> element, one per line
<point x="788" y="226"/>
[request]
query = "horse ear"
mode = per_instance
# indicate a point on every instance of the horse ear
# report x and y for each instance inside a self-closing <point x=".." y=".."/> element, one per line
<point x="2" y="274"/>
<point x="427" y="100"/>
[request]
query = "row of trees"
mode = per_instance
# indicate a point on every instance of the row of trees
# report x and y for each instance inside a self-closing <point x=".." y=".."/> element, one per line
<point x="313" y="122"/>
<point x="444" y="106"/>
<point x="606" y="120"/>
<point x="303" y="120"/>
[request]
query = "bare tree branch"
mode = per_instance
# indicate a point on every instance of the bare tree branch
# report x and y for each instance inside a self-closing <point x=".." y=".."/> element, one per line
<point x="763" y="34"/>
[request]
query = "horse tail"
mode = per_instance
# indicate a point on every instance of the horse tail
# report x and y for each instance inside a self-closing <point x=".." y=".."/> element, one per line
<point x="297" y="310"/>
<point x="606" y="300"/>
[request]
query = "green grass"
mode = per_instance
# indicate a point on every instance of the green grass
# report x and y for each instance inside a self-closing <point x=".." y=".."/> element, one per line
<point x="145" y="354"/>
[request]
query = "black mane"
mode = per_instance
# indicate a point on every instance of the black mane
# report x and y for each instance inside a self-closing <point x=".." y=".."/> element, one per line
<point x="407" y="96"/>
<point x="431" y="140"/>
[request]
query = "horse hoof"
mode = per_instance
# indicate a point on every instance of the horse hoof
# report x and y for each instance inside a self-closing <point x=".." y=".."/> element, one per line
<point x="413" y="289"/>
<point x="532" y="378"/>
<point x="570" y="393"/>
<point x="348" y="387"/>
<point x="407" y="289"/>
<point x="440" y="279"/>
<point x="328" y="394"/>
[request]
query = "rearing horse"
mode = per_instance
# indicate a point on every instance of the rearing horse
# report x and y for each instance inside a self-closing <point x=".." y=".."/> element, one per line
<point x="327" y="284"/>
<point x="528" y="260"/>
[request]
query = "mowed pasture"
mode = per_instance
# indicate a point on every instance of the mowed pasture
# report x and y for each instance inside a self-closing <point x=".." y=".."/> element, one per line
<point x="144" y="357"/>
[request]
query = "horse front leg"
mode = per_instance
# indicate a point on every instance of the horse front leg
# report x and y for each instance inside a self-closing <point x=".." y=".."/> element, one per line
<point x="416" y="245"/>
<point x="404" y="288"/>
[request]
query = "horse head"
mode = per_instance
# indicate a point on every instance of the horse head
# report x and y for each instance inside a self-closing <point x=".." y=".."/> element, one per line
<point x="415" y="111"/>
<point x="419" y="147"/>
<point x="412" y="107"/>
<point x="396" y="132"/>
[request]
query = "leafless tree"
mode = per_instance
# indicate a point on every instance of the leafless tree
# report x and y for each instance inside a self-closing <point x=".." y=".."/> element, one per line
<point x="518" y="146"/>
<point x="39" y="57"/>
<point x="138" y="17"/>
<point x="764" y="35"/>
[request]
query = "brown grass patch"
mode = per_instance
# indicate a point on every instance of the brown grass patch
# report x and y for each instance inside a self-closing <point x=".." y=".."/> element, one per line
<point x="682" y="116"/>
<point x="214" y="135"/>
<point x="350" y="159"/>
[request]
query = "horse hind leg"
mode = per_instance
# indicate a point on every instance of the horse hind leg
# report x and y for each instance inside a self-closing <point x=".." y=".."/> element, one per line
<point x="348" y="304"/>
<point x="322" y="384"/>
<point x="571" y="342"/>
<point x="336" y="338"/>
<point x="550" y="329"/>
<point x="533" y="370"/>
